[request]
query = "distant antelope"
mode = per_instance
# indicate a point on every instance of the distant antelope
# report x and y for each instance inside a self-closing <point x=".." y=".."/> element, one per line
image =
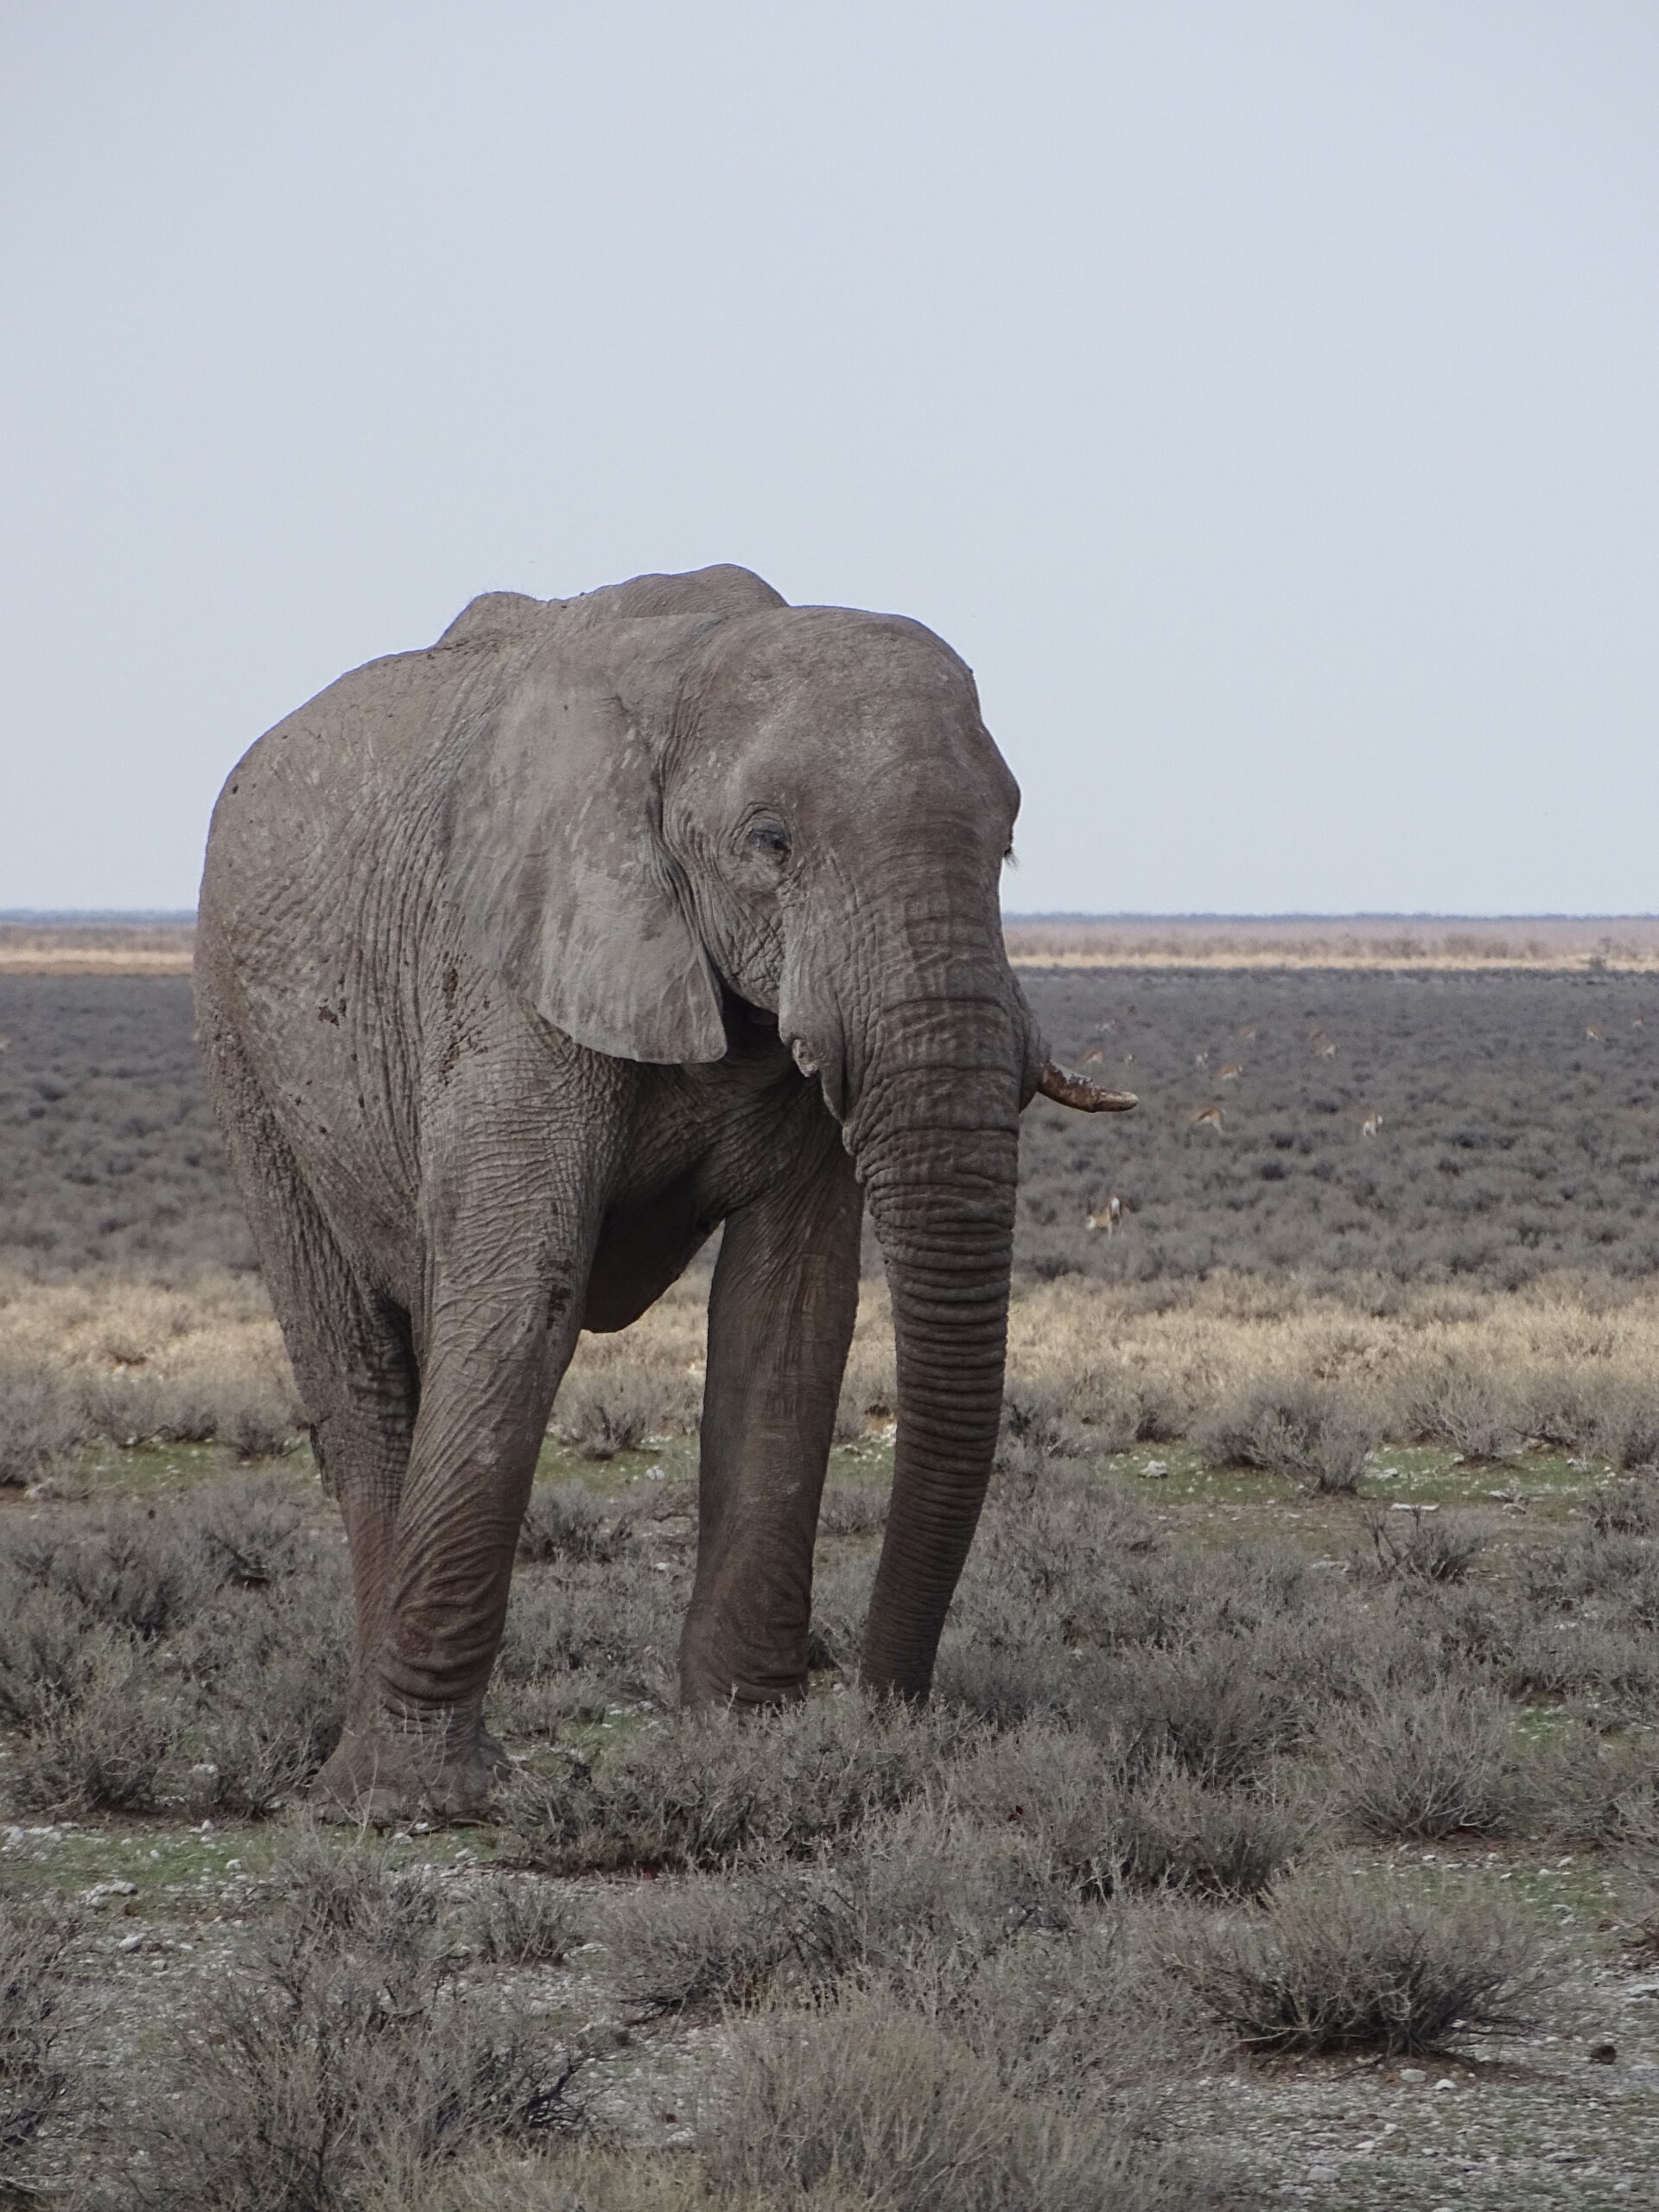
<point x="1106" y="1217"/>
<point x="1088" y="1056"/>
<point x="1327" y="1049"/>
<point x="1200" y="1059"/>
<point x="1592" y="1033"/>
<point x="1230" y="1073"/>
<point x="1635" y="1021"/>
<point x="1371" y="1125"/>
<point x="1245" y="1032"/>
<point x="1207" y="1117"/>
<point x="1104" y="1026"/>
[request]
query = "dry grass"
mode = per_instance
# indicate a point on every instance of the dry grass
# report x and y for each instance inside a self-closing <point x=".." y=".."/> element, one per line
<point x="1348" y="941"/>
<point x="97" y="948"/>
<point x="1303" y="1377"/>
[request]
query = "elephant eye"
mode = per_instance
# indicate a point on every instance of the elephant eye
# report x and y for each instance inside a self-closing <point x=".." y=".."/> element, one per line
<point x="768" y="837"/>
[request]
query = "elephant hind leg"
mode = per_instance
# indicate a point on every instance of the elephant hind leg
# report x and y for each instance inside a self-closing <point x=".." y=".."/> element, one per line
<point x="350" y="1346"/>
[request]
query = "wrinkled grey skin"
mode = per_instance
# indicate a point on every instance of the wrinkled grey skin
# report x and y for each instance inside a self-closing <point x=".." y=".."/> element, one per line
<point x="524" y="962"/>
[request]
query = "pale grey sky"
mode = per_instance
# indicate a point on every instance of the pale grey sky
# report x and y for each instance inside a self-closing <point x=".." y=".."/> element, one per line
<point x="1264" y="396"/>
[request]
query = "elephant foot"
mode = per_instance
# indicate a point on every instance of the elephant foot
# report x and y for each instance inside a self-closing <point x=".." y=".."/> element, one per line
<point x="381" y="1775"/>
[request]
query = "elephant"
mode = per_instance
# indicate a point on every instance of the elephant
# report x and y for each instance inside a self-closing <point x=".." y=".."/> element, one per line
<point x="526" y="961"/>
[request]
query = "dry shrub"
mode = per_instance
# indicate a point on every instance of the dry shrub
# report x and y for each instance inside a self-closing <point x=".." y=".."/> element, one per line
<point x="1434" y="1765"/>
<point x="571" y="2177"/>
<point x="1425" y="1545"/>
<point x="142" y="1571"/>
<point x="41" y="1421"/>
<point x="852" y="1510"/>
<point x="101" y="1746"/>
<point x="197" y="1651"/>
<point x="343" y="2039"/>
<point x="702" y="1939"/>
<point x="598" y="1417"/>
<point x="862" y="2097"/>
<point x="269" y="1672"/>
<point x="1175" y="1833"/>
<point x="249" y="1406"/>
<point x="1339" y="1964"/>
<point x="580" y="1638"/>
<point x="1321" y="1433"/>
<point x="1482" y="1417"/>
<point x="37" y="1944"/>
<point x="1623" y="1426"/>
<point x="522" y="1920"/>
<point x="1599" y="1791"/>
<point x="1611" y="1668"/>
<point x="1626" y="1508"/>
<point x="562" y="1521"/>
<point x="707" y="1790"/>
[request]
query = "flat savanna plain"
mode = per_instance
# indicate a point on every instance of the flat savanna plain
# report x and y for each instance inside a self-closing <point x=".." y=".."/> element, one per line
<point x="1284" y="1832"/>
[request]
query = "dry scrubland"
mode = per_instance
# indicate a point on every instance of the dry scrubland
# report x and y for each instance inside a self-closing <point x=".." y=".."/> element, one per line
<point x="1382" y="941"/>
<point x="1286" y="1830"/>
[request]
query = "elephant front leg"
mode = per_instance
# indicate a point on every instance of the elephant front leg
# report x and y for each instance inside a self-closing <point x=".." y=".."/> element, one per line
<point x="780" y="1320"/>
<point x="416" y="1741"/>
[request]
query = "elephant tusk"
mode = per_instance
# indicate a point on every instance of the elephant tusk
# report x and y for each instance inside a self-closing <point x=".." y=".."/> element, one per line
<point x="1066" y="1088"/>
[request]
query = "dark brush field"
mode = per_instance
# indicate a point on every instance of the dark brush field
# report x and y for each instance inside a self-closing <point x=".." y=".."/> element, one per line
<point x="1285" y="1831"/>
<point x="1511" y="1142"/>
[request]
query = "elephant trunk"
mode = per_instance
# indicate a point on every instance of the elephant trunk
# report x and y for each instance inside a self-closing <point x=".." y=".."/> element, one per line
<point x="934" y="1135"/>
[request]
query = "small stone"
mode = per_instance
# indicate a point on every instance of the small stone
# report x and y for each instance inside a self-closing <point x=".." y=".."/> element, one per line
<point x="1446" y="2083"/>
<point x="1603" y="2054"/>
<point x="1413" y="2074"/>
<point x="141" y="1941"/>
<point x="101" y="1892"/>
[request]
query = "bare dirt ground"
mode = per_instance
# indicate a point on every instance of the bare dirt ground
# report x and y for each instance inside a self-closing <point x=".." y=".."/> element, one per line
<point x="1286" y="1829"/>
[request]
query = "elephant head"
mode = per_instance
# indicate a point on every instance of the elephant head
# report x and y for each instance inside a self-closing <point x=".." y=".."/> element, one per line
<point x="694" y="804"/>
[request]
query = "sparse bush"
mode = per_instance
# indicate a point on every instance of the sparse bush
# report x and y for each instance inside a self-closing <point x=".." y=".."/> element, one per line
<point x="579" y="1637"/>
<point x="706" y="1791"/>
<point x="852" y="1510"/>
<point x="1472" y="1412"/>
<point x="1433" y="1765"/>
<point x="146" y="1572"/>
<point x="597" y="1416"/>
<point x="37" y="1944"/>
<point x="299" y="2077"/>
<point x="40" y="1422"/>
<point x="1338" y="1964"/>
<point x="328" y="1894"/>
<point x="1425" y="1545"/>
<point x="1322" y="1435"/>
<point x="521" y="1921"/>
<point x="1601" y="1792"/>
<point x="102" y="1746"/>
<point x="698" y="1940"/>
<point x="270" y="1670"/>
<point x="863" y="2096"/>
<point x="564" y="1522"/>
<point x="1176" y="1833"/>
<point x="1627" y="1507"/>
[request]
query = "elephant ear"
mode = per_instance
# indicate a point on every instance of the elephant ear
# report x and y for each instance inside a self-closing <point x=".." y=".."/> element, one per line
<point x="557" y="867"/>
